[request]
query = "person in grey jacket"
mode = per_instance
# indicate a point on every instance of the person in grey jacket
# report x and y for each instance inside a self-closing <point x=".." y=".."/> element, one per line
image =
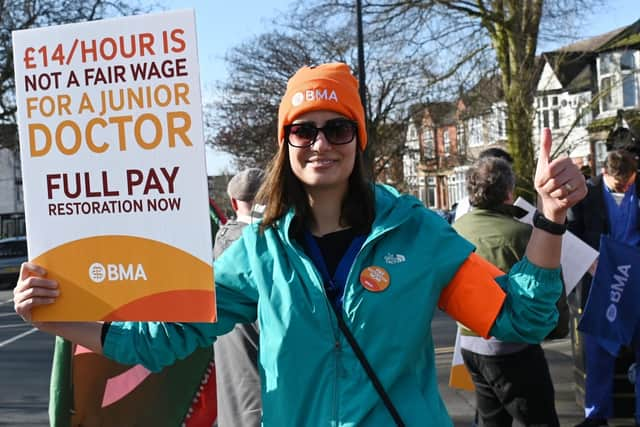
<point x="236" y="353"/>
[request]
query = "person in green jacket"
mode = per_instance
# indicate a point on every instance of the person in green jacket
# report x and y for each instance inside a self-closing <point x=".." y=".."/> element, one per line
<point x="335" y="254"/>
<point x="504" y="390"/>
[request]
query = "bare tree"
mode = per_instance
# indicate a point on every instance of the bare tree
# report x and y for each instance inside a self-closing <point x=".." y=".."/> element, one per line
<point x="24" y="14"/>
<point x="465" y="39"/>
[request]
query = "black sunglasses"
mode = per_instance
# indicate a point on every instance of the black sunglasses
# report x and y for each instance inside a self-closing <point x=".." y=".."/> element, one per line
<point x="336" y="131"/>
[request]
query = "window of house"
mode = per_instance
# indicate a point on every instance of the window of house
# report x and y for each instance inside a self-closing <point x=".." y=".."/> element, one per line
<point x="499" y="121"/>
<point x="502" y="124"/>
<point x="457" y="185"/>
<point x="427" y="141"/>
<point x="17" y="168"/>
<point x="606" y="91"/>
<point x="412" y="132"/>
<point x="606" y="63"/>
<point x="460" y="137"/>
<point x="627" y="61"/>
<point x="453" y="189"/>
<point x="19" y="193"/>
<point x="412" y="138"/>
<point x="446" y="142"/>
<point x="618" y="76"/>
<point x="409" y="165"/>
<point x="545" y="118"/>
<point x="583" y="113"/>
<point x="475" y="132"/>
<point x="431" y="201"/>
<point x="549" y="112"/>
<point x="629" y="79"/>
<point x="629" y="91"/>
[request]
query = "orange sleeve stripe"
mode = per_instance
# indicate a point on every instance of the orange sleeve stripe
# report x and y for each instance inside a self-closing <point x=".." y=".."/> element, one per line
<point x="473" y="297"/>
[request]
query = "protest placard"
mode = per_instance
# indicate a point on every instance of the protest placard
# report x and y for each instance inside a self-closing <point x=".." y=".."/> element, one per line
<point x="113" y="166"/>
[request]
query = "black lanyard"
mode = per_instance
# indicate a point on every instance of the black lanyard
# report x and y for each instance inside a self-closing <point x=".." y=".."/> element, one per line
<point x="334" y="287"/>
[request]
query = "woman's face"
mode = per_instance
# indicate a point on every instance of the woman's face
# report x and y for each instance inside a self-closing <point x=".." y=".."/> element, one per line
<point x="322" y="164"/>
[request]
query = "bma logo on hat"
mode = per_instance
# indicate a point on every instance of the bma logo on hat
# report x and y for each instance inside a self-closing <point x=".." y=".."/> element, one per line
<point x="314" y="95"/>
<point x="297" y="99"/>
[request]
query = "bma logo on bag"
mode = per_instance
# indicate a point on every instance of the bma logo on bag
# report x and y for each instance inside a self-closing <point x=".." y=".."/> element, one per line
<point x="617" y="288"/>
<point x="614" y="296"/>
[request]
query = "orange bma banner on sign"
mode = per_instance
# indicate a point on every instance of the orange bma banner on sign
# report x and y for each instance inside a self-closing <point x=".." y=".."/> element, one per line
<point x="113" y="164"/>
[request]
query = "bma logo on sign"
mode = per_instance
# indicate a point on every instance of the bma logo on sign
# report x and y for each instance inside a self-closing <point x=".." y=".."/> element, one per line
<point x="98" y="272"/>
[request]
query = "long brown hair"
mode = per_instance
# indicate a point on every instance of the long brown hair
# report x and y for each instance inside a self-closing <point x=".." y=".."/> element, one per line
<point x="282" y="190"/>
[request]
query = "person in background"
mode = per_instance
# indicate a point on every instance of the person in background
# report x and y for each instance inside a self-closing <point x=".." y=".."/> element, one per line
<point x="610" y="208"/>
<point x="463" y="206"/>
<point x="236" y="353"/>
<point x="241" y="190"/>
<point x="344" y="277"/>
<point x="512" y="380"/>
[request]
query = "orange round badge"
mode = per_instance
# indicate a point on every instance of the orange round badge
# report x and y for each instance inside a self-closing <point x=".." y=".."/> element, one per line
<point x="375" y="279"/>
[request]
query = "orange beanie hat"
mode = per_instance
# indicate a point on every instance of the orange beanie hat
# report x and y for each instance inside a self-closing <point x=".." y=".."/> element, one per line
<point x="323" y="87"/>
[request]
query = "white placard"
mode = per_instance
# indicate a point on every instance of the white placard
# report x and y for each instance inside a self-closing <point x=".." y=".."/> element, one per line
<point x="113" y="164"/>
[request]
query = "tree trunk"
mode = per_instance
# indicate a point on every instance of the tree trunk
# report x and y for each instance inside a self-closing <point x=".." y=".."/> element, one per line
<point x="520" y="147"/>
<point x="514" y="32"/>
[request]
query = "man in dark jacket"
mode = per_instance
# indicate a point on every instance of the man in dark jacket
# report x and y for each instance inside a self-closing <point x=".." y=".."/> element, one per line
<point x="611" y="207"/>
<point x="512" y="380"/>
<point x="236" y="353"/>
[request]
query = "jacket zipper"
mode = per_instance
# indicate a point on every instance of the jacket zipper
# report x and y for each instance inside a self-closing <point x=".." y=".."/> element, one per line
<point x="337" y="347"/>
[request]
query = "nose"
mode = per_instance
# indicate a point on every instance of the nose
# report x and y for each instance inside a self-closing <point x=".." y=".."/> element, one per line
<point x="321" y="143"/>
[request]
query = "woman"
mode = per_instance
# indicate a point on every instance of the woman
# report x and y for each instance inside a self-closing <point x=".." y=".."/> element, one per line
<point x="331" y="243"/>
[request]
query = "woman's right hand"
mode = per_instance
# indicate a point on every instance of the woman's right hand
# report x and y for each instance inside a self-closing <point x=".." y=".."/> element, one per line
<point x="33" y="290"/>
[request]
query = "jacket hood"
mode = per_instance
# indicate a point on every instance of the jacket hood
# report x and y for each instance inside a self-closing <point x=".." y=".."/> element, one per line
<point x="392" y="208"/>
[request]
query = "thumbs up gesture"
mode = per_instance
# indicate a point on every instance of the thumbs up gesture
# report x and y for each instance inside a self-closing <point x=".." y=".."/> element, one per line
<point x="559" y="183"/>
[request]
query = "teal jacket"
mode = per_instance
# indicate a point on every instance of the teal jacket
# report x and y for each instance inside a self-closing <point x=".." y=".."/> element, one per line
<point x="310" y="375"/>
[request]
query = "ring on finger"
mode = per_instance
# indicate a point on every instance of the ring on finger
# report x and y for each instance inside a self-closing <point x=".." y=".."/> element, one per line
<point x="569" y="187"/>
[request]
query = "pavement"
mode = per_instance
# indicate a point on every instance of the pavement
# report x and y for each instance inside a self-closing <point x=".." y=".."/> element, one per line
<point x="460" y="403"/>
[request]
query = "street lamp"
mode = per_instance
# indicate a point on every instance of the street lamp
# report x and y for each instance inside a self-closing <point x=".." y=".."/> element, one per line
<point x="361" y="73"/>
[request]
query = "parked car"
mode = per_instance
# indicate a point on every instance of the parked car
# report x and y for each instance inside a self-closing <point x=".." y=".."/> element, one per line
<point x="13" y="252"/>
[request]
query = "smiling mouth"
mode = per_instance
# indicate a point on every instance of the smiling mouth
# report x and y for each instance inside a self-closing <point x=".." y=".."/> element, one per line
<point x="321" y="162"/>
